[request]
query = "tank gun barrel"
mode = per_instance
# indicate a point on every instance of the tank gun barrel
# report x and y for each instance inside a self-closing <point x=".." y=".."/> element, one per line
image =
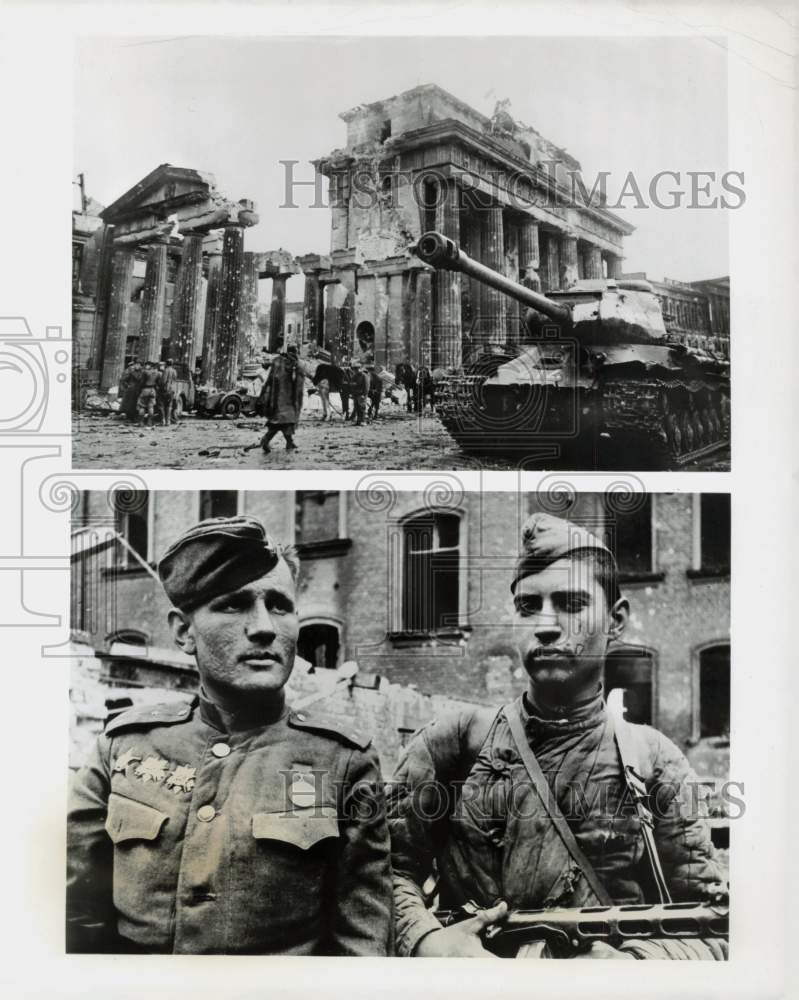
<point x="443" y="253"/>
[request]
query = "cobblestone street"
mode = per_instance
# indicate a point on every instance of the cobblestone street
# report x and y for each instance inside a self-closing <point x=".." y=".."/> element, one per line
<point x="396" y="440"/>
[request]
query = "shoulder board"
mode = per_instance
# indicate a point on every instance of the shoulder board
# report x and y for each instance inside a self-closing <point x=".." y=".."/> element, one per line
<point x="326" y="727"/>
<point x="152" y="715"/>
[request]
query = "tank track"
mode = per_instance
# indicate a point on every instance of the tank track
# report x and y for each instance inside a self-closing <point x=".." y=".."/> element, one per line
<point x="655" y="424"/>
<point x="682" y="422"/>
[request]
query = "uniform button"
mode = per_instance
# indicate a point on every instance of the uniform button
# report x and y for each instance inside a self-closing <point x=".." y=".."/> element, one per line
<point x="300" y="717"/>
<point x="220" y="749"/>
<point x="206" y="813"/>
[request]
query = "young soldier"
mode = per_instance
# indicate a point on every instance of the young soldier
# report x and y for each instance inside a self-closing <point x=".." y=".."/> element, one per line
<point x="231" y="824"/>
<point x="466" y="800"/>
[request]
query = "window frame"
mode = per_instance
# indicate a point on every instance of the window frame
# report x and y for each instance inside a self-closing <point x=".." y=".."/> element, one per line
<point x="696" y="687"/>
<point x="396" y="582"/>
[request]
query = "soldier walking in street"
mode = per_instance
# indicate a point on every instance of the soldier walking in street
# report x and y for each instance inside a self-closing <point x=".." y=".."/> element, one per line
<point x="230" y="824"/>
<point x="282" y="398"/>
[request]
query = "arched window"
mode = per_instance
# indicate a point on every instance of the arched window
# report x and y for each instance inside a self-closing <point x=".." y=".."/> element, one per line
<point x="431" y="572"/>
<point x="631" y="668"/>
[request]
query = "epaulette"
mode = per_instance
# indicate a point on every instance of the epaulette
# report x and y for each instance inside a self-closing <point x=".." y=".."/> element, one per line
<point x="152" y="715"/>
<point x="302" y="720"/>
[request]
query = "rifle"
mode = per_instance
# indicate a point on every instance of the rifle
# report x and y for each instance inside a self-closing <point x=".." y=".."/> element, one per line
<point x="568" y="931"/>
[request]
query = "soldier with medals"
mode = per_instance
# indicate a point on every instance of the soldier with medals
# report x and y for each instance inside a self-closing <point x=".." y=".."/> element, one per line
<point x="232" y="824"/>
<point x="549" y="803"/>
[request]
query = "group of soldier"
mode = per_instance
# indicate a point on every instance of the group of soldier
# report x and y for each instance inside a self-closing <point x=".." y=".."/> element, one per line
<point x="148" y="391"/>
<point x="235" y="824"/>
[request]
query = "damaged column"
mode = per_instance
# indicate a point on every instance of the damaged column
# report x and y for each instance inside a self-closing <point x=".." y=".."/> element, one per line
<point x="529" y="254"/>
<point x="229" y="303"/>
<point x="214" y="255"/>
<point x="313" y="309"/>
<point x="568" y="271"/>
<point x="592" y="261"/>
<point x="446" y="346"/>
<point x="153" y="301"/>
<point x="116" y="332"/>
<point x="248" y="321"/>
<point x="186" y="305"/>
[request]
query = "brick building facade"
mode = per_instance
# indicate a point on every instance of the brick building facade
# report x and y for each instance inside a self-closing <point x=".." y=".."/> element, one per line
<point x="414" y="589"/>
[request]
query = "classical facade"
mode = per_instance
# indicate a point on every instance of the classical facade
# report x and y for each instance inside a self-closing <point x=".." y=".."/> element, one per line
<point x="164" y="272"/>
<point x="414" y="589"/>
<point x="425" y="160"/>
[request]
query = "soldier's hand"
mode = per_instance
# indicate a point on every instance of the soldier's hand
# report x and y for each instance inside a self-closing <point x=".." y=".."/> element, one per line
<point x="462" y="940"/>
<point x="600" y="949"/>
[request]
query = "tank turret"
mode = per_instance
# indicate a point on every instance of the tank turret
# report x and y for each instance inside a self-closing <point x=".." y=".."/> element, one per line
<point x="594" y="380"/>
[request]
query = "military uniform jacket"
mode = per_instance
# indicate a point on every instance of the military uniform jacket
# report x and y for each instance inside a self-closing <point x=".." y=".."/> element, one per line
<point x="183" y="837"/>
<point x="462" y="804"/>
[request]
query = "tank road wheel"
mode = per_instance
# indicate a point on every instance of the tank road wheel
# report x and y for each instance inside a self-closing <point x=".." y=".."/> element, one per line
<point x="687" y="431"/>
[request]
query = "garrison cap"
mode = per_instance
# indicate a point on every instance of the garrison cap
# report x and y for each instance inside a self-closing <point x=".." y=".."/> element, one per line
<point x="215" y="557"/>
<point x="546" y="538"/>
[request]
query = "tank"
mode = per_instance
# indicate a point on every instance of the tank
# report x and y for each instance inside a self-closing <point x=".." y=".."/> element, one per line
<point x="596" y="380"/>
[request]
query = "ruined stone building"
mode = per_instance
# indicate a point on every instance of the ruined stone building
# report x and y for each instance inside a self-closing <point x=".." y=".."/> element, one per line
<point x="163" y="272"/>
<point x="425" y="160"/>
<point x="695" y="313"/>
<point x="415" y="589"/>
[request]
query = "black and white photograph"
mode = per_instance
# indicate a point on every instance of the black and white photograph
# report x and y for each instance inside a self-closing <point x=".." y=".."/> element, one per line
<point x="388" y="569"/>
<point x="519" y="704"/>
<point x="464" y="253"/>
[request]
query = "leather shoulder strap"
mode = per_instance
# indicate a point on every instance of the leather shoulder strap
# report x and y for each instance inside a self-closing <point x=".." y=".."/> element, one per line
<point x="541" y="786"/>
<point x="628" y="745"/>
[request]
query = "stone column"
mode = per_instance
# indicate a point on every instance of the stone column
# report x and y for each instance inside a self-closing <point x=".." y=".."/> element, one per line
<point x="248" y="317"/>
<point x="382" y="356"/>
<point x="153" y="300"/>
<point x="185" y="305"/>
<point x="277" y="312"/>
<point x="446" y="348"/>
<point x="104" y="271"/>
<point x="495" y="311"/>
<point x="208" y="363"/>
<point x="550" y="277"/>
<point x="229" y="305"/>
<point x="116" y="333"/>
<point x="511" y="270"/>
<point x="568" y="260"/>
<point x="529" y="253"/>
<point x="339" y="210"/>
<point x="614" y="265"/>
<point x="420" y="295"/>
<point x="313" y="307"/>
<point x="593" y="262"/>
<point x="471" y="242"/>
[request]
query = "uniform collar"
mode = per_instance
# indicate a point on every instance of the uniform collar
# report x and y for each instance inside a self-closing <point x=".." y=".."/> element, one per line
<point x="585" y="715"/>
<point x="247" y="718"/>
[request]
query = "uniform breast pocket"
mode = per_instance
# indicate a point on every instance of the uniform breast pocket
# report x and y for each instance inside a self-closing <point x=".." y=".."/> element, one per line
<point x="302" y="829"/>
<point x="141" y="859"/>
<point x="128" y="820"/>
